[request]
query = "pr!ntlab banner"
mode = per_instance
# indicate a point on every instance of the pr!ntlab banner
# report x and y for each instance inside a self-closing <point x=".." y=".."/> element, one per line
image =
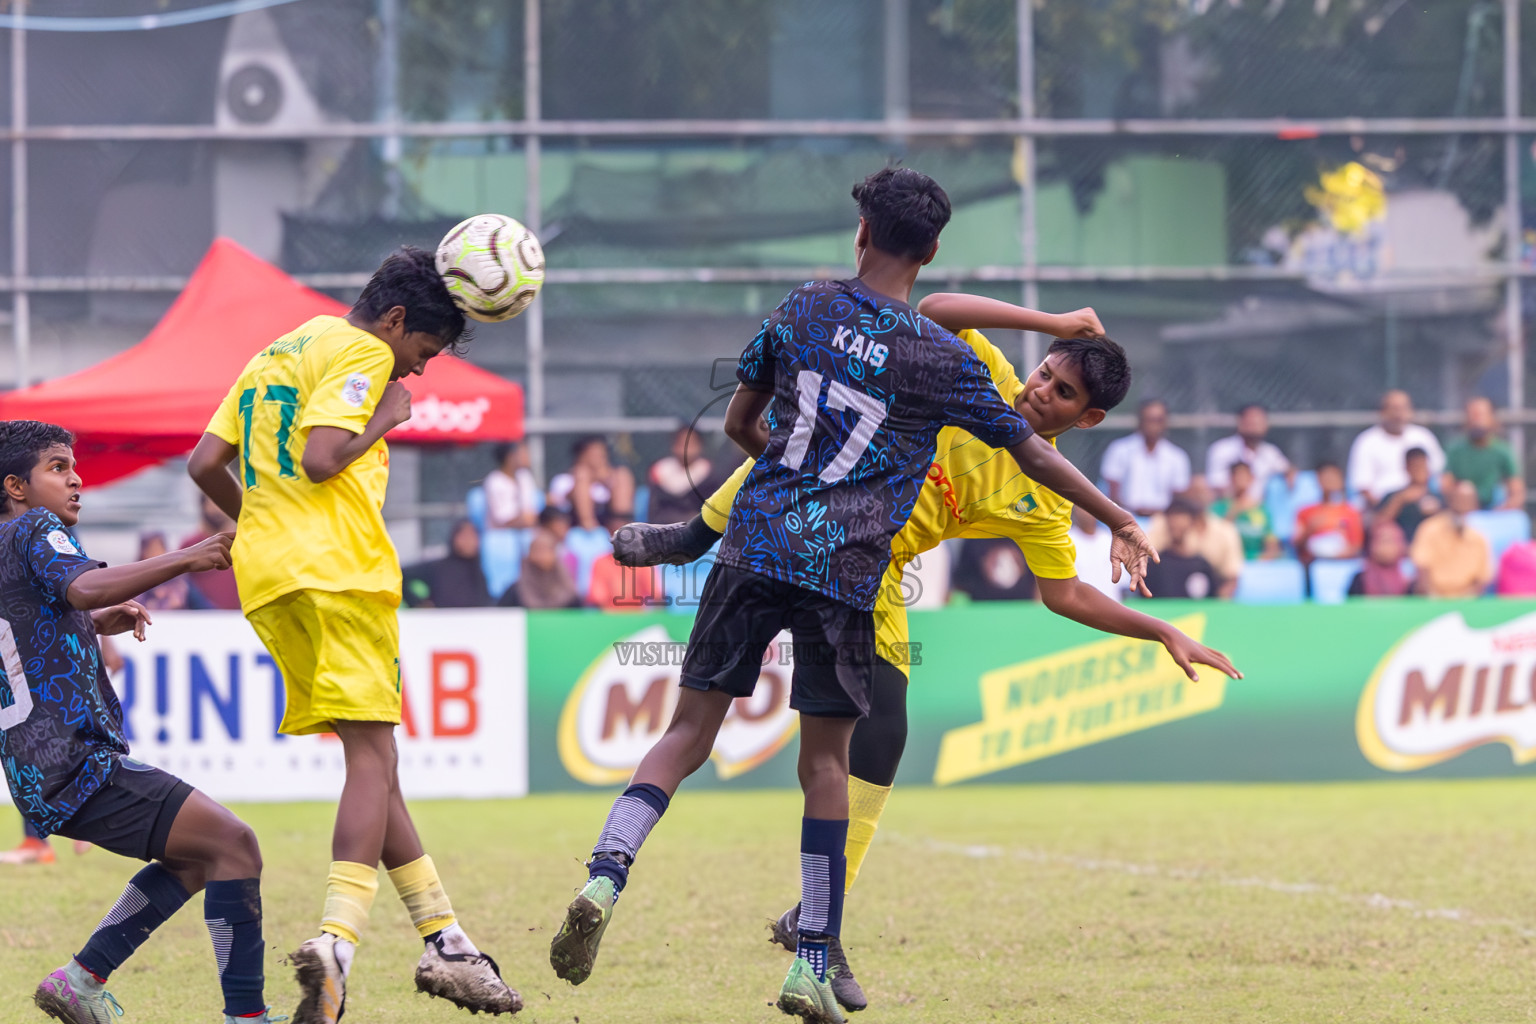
<point x="202" y="698"/>
<point x="1010" y="693"/>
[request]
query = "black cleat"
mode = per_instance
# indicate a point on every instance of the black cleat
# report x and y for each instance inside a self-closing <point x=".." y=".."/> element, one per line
<point x="643" y="544"/>
<point x="785" y="931"/>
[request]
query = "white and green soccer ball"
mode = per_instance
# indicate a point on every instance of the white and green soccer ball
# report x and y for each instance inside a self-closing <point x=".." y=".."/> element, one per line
<point x="492" y="265"/>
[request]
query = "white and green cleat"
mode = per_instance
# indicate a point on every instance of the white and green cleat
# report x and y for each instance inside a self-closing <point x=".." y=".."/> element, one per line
<point x="574" y="949"/>
<point x="805" y="997"/>
<point x="72" y="995"/>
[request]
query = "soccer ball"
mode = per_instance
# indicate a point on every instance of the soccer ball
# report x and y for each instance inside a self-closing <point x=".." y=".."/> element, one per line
<point x="492" y="265"/>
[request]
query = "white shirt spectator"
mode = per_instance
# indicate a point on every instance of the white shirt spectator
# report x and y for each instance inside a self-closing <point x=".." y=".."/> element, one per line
<point x="508" y="498"/>
<point x="1378" y="460"/>
<point x="1093" y="560"/>
<point x="1147" y="480"/>
<point x="1264" y="459"/>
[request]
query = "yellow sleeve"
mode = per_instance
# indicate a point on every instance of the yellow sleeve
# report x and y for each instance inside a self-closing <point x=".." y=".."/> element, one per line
<point x="717" y="507"/>
<point x="349" y="390"/>
<point x="1048" y="547"/>
<point x="1002" y="371"/>
<point x="225" y="424"/>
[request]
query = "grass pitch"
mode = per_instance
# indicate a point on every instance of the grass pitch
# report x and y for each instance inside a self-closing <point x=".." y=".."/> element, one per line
<point x="1402" y="901"/>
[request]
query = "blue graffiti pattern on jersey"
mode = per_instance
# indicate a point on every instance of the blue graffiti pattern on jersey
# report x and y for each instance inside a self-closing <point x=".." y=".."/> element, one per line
<point x="862" y="385"/>
<point x="61" y="726"/>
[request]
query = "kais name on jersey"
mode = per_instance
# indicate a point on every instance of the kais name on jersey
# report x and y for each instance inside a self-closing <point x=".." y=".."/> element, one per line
<point x="858" y="345"/>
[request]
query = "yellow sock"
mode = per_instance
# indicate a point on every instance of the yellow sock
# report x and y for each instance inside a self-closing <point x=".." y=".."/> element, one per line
<point x="866" y="802"/>
<point x="423" y="896"/>
<point x="349" y="893"/>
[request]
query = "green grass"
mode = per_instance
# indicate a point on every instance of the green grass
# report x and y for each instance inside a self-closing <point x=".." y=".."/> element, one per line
<point x="1404" y="901"/>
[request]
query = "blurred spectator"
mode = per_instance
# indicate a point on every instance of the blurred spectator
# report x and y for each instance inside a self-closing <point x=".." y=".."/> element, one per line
<point x="454" y="581"/>
<point x="1092" y="540"/>
<point x="216" y="587"/>
<point x="558" y="523"/>
<point x="1240" y="508"/>
<point x="1517" y="570"/>
<point x="1211" y="537"/>
<point x="1485" y="459"/>
<point x="594" y="488"/>
<point x="1382" y="574"/>
<point x="617" y="588"/>
<point x="173" y="595"/>
<point x="1247" y="445"/>
<point x="680" y="480"/>
<point x="1453" y="559"/>
<point x="511" y="492"/>
<point x="1145" y="470"/>
<point x="1285" y="496"/>
<point x="1377" y="459"/>
<point x="992" y="569"/>
<point x="546" y="581"/>
<point x="1332" y="528"/>
<point x="1415" y="503"/>
<point x="1182" y="572"/>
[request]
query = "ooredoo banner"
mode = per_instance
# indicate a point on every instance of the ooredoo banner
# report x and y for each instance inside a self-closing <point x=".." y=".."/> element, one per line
<point x="202" y="698"/>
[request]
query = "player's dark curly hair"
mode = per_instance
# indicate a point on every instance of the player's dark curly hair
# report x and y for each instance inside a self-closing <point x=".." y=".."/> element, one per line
<point x="408" y="277"/>
<point x="22" y="443"/>
<point x="905" y="211"/>
<point x="1102" y="364"/>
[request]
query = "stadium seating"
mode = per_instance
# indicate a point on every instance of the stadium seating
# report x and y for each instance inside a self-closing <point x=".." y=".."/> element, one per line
<point x="1280" y="581"/>
<point x="1283" y="503"/>
<point x="588" y="546"/>
<point x="1331" y="577"/>
<point x="1503" y="527"/>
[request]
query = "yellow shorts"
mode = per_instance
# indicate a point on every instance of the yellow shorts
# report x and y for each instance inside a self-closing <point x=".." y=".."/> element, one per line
<point x="339" y="655"/>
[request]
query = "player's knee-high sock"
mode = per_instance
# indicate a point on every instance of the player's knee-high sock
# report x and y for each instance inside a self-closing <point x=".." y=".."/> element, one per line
<point x="233" y="912"/>
<point x="630" y="821"/>
<point x="425" y="900"/>
<point x="874" y="753"/>
<point x="821" y="888"/>
<point x="866" y="802"/>
<point x="349" y="893"/>
<point x="151" y="897"/>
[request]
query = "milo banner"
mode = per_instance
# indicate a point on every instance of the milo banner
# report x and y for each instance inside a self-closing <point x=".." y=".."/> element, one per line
<point x="1010" y="693"/>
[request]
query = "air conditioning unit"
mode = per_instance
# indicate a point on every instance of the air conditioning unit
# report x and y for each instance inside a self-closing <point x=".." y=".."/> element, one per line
<point x="259" y="86"/>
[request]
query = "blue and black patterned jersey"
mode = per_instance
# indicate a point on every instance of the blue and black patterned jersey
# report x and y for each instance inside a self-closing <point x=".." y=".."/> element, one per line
<point x="861" y="385"/>
<point x="61" y="727"/>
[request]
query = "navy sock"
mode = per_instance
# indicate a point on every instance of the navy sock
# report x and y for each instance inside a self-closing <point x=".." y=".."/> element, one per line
<point x="823" y="870"/>
<point x="634" y="814"/>
<point x="150" y="898"/>
<point x="29" y="830"/>
<point x="233" y="912"/>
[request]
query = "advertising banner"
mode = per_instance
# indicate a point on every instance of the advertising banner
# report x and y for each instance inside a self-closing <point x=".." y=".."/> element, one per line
<point x="202" y="698"/>
<point x="1012" y="692"/>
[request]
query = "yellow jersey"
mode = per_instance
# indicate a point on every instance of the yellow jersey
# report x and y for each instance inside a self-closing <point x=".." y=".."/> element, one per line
<point x="293" y="534"/>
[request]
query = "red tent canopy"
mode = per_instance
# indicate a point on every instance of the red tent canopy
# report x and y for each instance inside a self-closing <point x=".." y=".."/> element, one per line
<point x="152" y="402"/>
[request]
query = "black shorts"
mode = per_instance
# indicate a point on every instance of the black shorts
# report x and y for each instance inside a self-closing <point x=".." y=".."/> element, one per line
<point x="132" y="814"/>
<point x="740" y="613"/>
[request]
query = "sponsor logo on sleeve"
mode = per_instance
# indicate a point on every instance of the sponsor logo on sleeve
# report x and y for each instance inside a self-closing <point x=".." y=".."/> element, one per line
<point x="61" y="542"/>
<point x="354" y="390"/>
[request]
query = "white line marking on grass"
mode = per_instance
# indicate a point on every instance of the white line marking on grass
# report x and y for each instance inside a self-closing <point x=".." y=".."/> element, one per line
<point x="1375" y="900"/>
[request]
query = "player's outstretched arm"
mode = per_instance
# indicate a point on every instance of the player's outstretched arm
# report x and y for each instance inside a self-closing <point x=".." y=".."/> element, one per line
<point x="102" y="588"/>
<point x="744" y="419"/>
<point x="209" y="467"/>
<point x="329" y="450"/>
<point x="1073" y="599"/>
<point x="956" y="311"/>
<point x="1131" y="549"/>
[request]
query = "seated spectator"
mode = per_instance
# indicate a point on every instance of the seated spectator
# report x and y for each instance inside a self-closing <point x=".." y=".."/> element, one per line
<point x="454" y="581"/>
<point x="1409" y="506"/>
<point x="1382" y="575"/>
<point x="558" y="523"/>
<point x="173" y="595"/>
<point x="1452" y="558"/>
<point x="1145" y="470"/>
<point x="1485" y="459"/>
<point x="992" y="569"/>
<point x="680" y="480"/>
<point x="511" y="492"/>
<point x="1240" y="508"/>
<point x="1377" y="458"/>
<point x="1247" y="445"/>
<point x="618" y="588"/>
<point x="594" y="488"/>
<point x="1332" y="528"/>
<point x="1285" y="496"/>
<point x="1092" y="540"/>
<point x="1213" y="538"/>
<point x="1182" y="572"/>
<point x="546" y="581"/>
<point x="1517" y="570"/>
<point x="217" y="588"/>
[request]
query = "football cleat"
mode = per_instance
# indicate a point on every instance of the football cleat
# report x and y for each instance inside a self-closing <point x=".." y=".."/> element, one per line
<point x="265" y="1017"/>
<point x="641" y="544"/>
<point x="574" y="948"/>
<point x="804" y="997"/>
<point x="785" y="931"/>
<point x="71" y="994"/>
<point x="470" y="981"/>
<point x="31" y="851"/>
<point x="321" y="981"/>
